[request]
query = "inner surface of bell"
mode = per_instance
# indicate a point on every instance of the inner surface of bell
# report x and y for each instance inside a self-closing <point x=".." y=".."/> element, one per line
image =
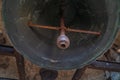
<point x="78" y="14"/>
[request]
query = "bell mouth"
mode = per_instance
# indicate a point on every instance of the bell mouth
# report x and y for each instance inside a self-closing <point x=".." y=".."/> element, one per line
<point x="39" y="44"/>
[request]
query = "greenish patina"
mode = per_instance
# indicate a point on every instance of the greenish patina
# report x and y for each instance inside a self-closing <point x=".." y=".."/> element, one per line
<point x="39" y="45"/>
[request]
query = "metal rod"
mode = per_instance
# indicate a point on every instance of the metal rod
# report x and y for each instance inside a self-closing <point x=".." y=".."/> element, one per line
<point x="62" y="27"/>
<point x="30" y="24"/>
<point x="78" y="74"/>
<point x="6" y="50"/>
<point x="63" y="42"/>
<point x="105" y="65"/>
<point x="83" y="31"/>
<point x="6" y="79"/>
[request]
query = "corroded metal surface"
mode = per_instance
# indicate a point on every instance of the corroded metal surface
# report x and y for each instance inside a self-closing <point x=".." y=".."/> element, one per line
<point x="39" y="45"/>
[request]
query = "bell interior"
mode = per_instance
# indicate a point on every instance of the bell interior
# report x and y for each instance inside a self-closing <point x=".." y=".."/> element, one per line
<point x="80" y="14"/>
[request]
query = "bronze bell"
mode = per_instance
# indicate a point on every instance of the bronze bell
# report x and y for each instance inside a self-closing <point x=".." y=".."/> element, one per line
<point x="61" y="34"/>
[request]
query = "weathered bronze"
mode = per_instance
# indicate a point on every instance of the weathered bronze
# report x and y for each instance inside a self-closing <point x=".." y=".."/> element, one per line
<point x="36" y="40"/>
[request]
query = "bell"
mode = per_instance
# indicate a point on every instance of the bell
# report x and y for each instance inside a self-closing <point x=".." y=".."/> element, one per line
<point x="61" y="34"/>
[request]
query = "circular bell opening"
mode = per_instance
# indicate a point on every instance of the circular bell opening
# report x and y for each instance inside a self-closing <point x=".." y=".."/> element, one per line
<point x="39" y="44"/>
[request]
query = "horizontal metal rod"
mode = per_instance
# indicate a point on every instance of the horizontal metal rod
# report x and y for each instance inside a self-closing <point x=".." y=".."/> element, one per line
<point x="7" y="79"/>
<point x="6" y="50"/>
<point x="105" y="65"/>
<point x="30" y="24"/>
<point x="83" y="31"/>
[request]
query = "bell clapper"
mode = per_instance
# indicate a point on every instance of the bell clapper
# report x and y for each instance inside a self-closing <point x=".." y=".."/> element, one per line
<point x="63" y="41"/>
